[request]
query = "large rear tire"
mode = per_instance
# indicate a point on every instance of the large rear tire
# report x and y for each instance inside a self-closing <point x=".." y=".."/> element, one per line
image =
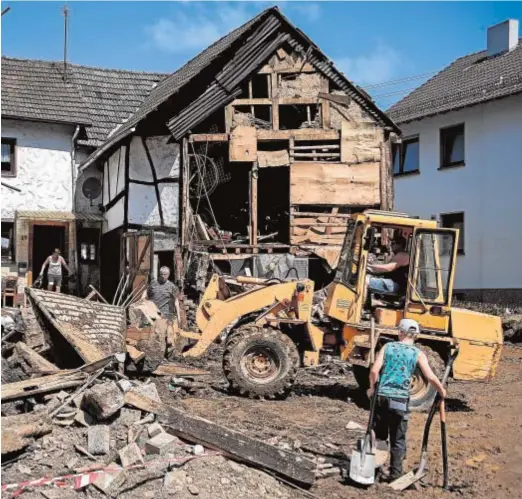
<point x="422" y="393"/>
<point x="260" y="362"/>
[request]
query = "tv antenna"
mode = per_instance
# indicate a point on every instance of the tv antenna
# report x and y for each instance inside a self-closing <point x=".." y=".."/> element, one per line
<point x="65" y="32"/>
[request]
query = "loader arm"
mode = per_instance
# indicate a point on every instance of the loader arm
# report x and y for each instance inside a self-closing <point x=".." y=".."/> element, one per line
<point x="214" y="314"/>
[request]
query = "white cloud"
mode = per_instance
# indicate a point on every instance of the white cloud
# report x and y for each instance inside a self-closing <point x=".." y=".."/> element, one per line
<point x="380" y="65"/>
<point x="196" y="26"/>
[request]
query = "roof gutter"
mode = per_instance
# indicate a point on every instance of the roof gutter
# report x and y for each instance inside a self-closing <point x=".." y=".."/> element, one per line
<point x="73" y="164"/>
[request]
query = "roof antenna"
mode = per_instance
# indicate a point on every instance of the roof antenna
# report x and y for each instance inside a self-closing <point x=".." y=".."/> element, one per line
<point x="65" y="27"/>
<point x="5" y="11"/>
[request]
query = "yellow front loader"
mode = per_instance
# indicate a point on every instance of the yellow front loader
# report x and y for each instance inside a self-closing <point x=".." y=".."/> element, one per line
<point x="281" y="325"/>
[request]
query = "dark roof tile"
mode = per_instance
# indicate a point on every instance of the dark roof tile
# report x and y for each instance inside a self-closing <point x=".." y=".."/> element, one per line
<point x="470" y="80"/>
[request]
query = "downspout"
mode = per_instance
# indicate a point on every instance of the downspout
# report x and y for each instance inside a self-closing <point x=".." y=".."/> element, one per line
<point x="73" y="251"/>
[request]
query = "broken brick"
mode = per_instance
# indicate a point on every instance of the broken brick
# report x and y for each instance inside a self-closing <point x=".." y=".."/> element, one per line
<point x="155" y="429"/>
<point x="98" y="440"/>
<point x="103" y="400"/>
<point x="160" y="443"/>
<point x="111" y="480"/>
<point x="130" y="455"/>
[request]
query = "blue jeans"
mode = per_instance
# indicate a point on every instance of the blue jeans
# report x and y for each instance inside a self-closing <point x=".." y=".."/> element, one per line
<point x="380" y="284"/>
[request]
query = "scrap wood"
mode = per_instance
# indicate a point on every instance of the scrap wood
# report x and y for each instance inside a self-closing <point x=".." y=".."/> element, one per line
<point x="135" y="354"/>
<point x="239" y="446"/>
<point x="172" y="369"/>
<point x="36" y="363"/>
<point x="142" y="402"/>
<point x="16" y="430"/>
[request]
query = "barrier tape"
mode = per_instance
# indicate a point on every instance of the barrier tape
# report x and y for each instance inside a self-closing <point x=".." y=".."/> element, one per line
<point x="81" y="480"/>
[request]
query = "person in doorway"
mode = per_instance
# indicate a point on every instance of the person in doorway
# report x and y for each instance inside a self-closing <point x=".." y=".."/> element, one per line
<point x="394" y="367"/>
<point x="54" y="273"/>
<point x="396" y="270"/>
<point x="162" y="293"/>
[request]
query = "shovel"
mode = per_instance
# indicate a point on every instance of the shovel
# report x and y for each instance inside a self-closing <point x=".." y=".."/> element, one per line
<point x="412" y="477"/>
<point x="362" y="462"/>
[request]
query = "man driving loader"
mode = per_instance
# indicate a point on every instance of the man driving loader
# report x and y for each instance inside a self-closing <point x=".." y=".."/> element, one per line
<point x="398" y="361"/>
<point x="396" y="270"/>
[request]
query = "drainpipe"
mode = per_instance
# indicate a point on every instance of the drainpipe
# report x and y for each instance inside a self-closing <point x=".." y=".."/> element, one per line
<point x="73" y="192"/>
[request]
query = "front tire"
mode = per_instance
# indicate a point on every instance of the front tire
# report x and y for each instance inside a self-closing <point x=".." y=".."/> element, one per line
<point x="260" y="362"/>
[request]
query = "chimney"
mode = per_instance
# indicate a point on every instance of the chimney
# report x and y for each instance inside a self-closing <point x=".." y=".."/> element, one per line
<point x="502" y="37"/>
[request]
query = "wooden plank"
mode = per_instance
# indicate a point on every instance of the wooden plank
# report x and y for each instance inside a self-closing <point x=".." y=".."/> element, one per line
<point x="318" y="147"/>
<point x="239" y="446"/>
<point x="321" y="224"/>
<point x="315" y="154"/>
<point x="334" y="212"/>
<point x="288" y="101"/>
<point x="44" y="384"/>
<point x="142" y="402"/>
<point x="243" y="144"/>
<point x="334" y="183"/>
<point x="273" y="158"/>
<point x="296" y="68"/>
<point x="319" y="214"/>
<point x="253" y="204"/>
<point x="135" y="333"/>
<point x="177" y="370"/>
<point x="208" y="137"/>
<point x="338" y="99"/>
<point x="35" y="361"/>
<point x="17" y="429"/>
<point x="299" y="134"/>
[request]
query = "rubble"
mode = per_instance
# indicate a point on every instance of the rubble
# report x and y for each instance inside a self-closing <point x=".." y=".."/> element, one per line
<point x="98" y="440"/>
<point x="160" y="443"/>
<point x="130" y="455"/>
<point x="103" y="401"/>
<point x="110" y="481"/>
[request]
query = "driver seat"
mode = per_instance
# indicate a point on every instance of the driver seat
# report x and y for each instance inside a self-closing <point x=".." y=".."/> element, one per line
<point x="390" y="299"/>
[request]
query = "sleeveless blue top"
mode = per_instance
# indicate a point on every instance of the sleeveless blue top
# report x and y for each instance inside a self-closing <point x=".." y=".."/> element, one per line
<point x="400" y="361"/>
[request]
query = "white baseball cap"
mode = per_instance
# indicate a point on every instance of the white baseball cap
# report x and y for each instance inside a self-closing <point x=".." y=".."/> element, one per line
<point x="409" y="326"/>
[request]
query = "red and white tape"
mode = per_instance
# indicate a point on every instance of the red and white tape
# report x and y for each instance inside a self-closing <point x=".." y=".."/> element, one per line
<point x="81" y="480"/>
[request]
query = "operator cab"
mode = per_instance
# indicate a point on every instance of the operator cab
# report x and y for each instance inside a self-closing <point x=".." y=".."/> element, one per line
<point x="417" y="285"/>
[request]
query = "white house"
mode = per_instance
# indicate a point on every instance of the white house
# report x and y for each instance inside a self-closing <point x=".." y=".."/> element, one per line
<point x="53" y="117"/>
<point x="460" y="161"/>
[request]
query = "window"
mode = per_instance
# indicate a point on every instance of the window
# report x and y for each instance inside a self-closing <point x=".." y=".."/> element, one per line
<point x="452" y="146"/>
<point x="8" y="242"/>
<point x="406" y="157"/>
<point x="89" y="239"/>
<point x="8" y="157"/>
<point x="433" y="266"/>
<point x="455" y="221"/>
<point x="352" y="256"/>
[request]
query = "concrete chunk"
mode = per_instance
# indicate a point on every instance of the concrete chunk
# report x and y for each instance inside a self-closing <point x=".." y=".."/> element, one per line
<point x="104" y="400"/>
<point x="83" y="418"/>
<point x="124" y="385"/>
<point x="98" y="440"/>
<point x="160" y="443"/>
<point x="129" y="416"/>
<point x="110" y="481"/>
<point x="155" y="429"/>
<point x="130" y="455"/>
<point x="149" y="390"/>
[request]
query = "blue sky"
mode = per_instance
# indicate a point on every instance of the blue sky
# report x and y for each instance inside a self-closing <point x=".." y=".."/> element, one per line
<point x="371" y="42"/>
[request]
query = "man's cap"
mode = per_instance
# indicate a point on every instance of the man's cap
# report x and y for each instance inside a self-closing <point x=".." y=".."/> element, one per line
<point x="409" y="326"/>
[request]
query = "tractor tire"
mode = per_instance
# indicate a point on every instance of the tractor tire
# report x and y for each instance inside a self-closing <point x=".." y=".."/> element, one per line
<point x="260" y="362"/>
<point x="422" y="393"/>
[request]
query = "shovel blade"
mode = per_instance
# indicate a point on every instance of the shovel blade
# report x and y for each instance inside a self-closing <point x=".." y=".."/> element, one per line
<point x="362" y="467"/>
<point x="407" y="480"/>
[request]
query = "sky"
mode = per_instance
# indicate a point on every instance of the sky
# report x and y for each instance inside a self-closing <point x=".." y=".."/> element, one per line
<point x="372" y="43"/>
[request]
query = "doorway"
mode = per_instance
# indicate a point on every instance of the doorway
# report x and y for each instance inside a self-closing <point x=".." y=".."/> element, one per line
<point x="45" y="239"/>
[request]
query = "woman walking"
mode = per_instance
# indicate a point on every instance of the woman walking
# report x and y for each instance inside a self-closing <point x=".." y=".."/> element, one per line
<point x="54" y="274"/>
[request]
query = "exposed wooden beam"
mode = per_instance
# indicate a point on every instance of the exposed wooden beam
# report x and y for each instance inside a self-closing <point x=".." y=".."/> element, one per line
<point x="209" y="137"/>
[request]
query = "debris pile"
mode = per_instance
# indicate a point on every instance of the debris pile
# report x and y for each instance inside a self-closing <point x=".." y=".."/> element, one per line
<point x="81" y="416"/>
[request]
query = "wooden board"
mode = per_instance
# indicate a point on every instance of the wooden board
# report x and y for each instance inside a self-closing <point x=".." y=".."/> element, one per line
<point x="273" y="158"/>
<point x="243" y="144"/>
<point x="177" y="370"/>
<point x="242" y="447"/>
<point x="35" y="361"/>
<point x="334" y="183"/>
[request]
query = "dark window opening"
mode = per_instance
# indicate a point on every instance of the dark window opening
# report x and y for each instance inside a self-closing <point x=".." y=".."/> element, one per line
<point x="273" y="205"/>
<point x="261" y="86"/>
<point x="294" y="117"/>
<point x="406" y="157"/>
<point x="8" y="253"/>
<point x="215" y="123"/>
<point x="452" y="146"/>
<point x="8" y="157"/>
<point x="455" y="221"/>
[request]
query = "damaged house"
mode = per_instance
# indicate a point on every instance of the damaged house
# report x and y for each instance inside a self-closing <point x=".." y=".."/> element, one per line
<point x="249" y="159"/>
<point x="252" y="156"/>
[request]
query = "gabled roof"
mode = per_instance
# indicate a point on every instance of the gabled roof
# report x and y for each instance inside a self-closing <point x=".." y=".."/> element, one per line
<point x="36" y="90"/>
<point x="470" y="80"/>
<point x="186" y="73"/>
<point x="97" y="97"/>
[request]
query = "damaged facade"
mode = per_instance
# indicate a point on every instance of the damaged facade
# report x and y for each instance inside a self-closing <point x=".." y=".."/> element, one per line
<point x="249" y="159"/>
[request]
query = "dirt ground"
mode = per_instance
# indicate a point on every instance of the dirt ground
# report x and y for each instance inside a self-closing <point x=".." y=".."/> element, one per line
<point x="483" y="421"/>
<point x="483" y="428"/>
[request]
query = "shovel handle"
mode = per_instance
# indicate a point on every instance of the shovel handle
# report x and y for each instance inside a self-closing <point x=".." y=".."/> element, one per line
<point x="444" y="442"/>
